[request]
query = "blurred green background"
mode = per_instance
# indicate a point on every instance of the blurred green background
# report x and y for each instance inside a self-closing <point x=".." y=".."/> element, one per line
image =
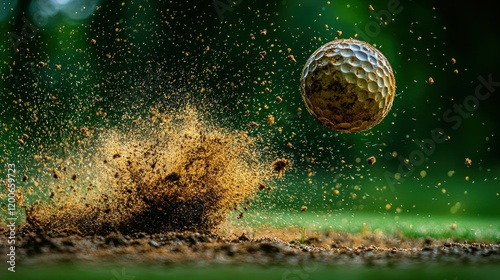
<point x="67" y="66"/>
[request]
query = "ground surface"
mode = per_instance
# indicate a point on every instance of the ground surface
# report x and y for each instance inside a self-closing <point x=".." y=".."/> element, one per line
<point x="187" y="247"/>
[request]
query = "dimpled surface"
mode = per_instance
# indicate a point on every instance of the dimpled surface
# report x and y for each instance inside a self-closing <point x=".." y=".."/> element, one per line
<point x="348" y="85"/>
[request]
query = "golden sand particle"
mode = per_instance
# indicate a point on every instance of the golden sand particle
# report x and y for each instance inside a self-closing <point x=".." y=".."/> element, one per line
<point x="278" y="99"/>
<point x="303" y="208"/>
<point x="430" y="81"/>
<point x="453" y="60"/>
<point x="370" y="7"/>
<point x="19" y="197"/>
<point x="388" y="206"/>
<point x="253" y="125"/>
<point x="262" y="54"/>
<point x="468" y="162"/>
<point x="270" y="119"/>
<point x="291" y="58"/>
<point x="56" y="173"/>
<point x="85" y="131"/>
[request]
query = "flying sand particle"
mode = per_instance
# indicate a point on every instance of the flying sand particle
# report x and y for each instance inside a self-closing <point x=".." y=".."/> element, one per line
<point x="182" y="177"/>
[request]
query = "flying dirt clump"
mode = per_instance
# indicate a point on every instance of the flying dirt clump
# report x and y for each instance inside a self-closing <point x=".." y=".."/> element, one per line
<point x="175" y="174"/>
<point x="280" y="165"/>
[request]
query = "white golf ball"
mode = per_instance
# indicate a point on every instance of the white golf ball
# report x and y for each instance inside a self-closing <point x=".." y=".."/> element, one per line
<point x="348" y="85"/>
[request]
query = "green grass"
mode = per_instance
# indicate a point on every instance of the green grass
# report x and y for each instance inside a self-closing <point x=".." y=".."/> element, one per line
<point x="243" y="272"/>
<point x="480" y="229"/>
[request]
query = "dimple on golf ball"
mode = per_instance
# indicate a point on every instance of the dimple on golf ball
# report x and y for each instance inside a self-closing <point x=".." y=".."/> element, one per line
<point x="348" y="85"/>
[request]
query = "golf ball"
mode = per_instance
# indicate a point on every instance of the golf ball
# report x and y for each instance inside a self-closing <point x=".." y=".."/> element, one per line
<point x="348" y="85"/>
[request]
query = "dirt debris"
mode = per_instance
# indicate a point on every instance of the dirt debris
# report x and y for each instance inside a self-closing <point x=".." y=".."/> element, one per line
<point x="251" y="248"/>
<point x="280" y="166"/>
<point x="183" y="175"/>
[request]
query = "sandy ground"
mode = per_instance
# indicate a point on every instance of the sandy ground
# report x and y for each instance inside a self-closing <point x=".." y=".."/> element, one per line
<point x="247" y="248"/>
